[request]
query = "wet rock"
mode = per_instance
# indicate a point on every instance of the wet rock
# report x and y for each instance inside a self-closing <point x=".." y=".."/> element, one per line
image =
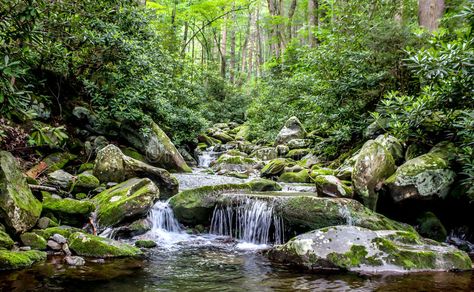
<point x="128" y="200"/>
<point x="264" y="185"/>
<point x="274" y="168"/>
<point x="143" y="243"/>
<point x="266" y="153"/>
<point x="428" y="176"/>
<point x="19" y="209"/>
<point x="358" y="249"/>
<point x="68" y="211"/>
<point x="84" y="183"/>
<point x="5" y="240"/>
<point x="65" y="231"/>
<point x="298" y="143"/>
<point x="59" y="238"/>
<point x="60" y="178"/>
<point x="242" y="132"/>
<point x="94" y="246"/>
<point x="12" y="260"/>
<point x="227" y="163"/>
<point x="112" y="166"/>
<point x="53" y="245"/>
<point x="51" y="163"/>
<point x="295" y="177"/>
<point x="33" y="240"/>
<point x="188" y="157"/>
<point x="156" y="146"/>
<point x="74" y="261"/>
<point x="282" y="150"/>
<point x="373" y="165"/>
<point x="222" y="136"/>
<point x="294" y="168"/>
<point x="208" y="141"/>
<point x="135" y="228"/>
<point x="293" y="129"/>
<point x="297" y="154"/>
<point x="331" y="186"/>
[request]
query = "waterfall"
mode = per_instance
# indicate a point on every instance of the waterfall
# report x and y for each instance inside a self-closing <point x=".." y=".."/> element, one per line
<point x="207" y="157"/>
<point x="346" y="214"/>
<point x="250" y="220"/>
<point x="162" y="218"/>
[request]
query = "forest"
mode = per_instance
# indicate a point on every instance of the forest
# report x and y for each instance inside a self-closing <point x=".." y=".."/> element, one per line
<point x="129" y="127"/>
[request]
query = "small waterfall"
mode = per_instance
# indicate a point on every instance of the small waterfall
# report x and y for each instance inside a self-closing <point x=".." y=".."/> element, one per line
<point x="162" y="218"/>
<point x="346" y="214"/>
<point x="250" y="220"/>
<point x="207" y="157"/>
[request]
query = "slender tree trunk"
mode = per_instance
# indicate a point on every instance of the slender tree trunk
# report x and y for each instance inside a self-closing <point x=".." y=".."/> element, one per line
<point x="313" y="19"/>
<point x="185" y="38"/>
<point x="429" y="13"/>
<point x="232" y="47"/>
<point x="291" y="14"/>
<point x="224" y="48"/>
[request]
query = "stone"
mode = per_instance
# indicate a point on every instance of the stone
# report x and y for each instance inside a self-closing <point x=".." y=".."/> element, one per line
<point x="208" y="141"/>
<point x="274" y="168"/>
<point x="60" y="178"/>
<point x="143" y="243"/>
<point x="222" y="136"/>
<point x="5" y="240"/>
<point x="84" y="183"/>
<point x="227" y="163"/>
<point x="74" y="261"/>
<point x="33" y="240"/>
<point x="431" y="227"/>
<point x="64" y="230"/>
<point x="373" y="165"/>
<point x="68" y="211"/>
<point x="19" y="209"/>
<point x="45" y="222"/>
<point x="413" y="151"/>
<point x="282" y="150"/>
<point x="331" y="186"/>
<point x="188" y="157"/>
<point x="297" y="154"/>
<point x="265" y="154"/>
<point x="53" y="245"/>
<point x="131" y="199"/>
<point x="393" y="145"/>
<point x="12" y="260"/>
<point x="94" y="246"/>
<point x="51" y="163"/>
<point x="85" y="167"/>
<point x="425" y="177"/>
<point x="137" y="227"/>
<point x="293" y="129"/>
<point x="59" y="238"/>
<point x="113" y="166"/>
<point x="156" y="146"/>
<point x="264" y="185"/>
<point x="295" y="177"/>
<point x="358" y="249"/>
<point x="242" y="132"/>
<point x="298" y="143"/>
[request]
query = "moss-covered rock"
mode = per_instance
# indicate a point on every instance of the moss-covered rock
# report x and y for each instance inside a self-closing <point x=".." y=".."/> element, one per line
<point x="60" y="179"/>
<point x="359" y="249"/>
<point x="265" y="153"/>
<point x="19" y="209"/>
<point x="85" y="167"/>
<point x="264" y="185"/>
<point x="138" y="227"/>
<point x="63" y="230"/>
<point x="274" y="168"/>
<point x="5" y="240"/>
<point x="208" y="141"/>
<point x="222" y="136"/>
<point x="373" y="165"/>
<point x="156" y="146"/>
<point x="94" y="246"/>
<point x="68" y="211"/>
<point x="293" y="129"/>
<point x="113" y="166"/>
<point x="51" y="163"/>
<point x="428" y="176"/>
<point x="317" y="170"/>
<point x="131" y="152"/>
<point x="331" y="186"/>
<point x="84" y="183"/>
<point x="431" y="227"/>
<point x="282" y="150"/>
<point x="227" y="163"/>
<point x="295" y="177"/>
<point x="45" y="222"/>
<point x="242" y="132"/>
<point x="393" y="145"/>
<point x="126" y="201"/>
<point x="297" y="154"/>
<point x="299" y="143"/>
<point x="33" y="240"/>
<point x="12" y="260"/>
<point x="144" y="243"/>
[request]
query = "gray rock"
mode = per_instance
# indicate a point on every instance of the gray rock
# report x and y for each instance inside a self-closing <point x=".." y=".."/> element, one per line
<point x="60" y="178"/>
<point x="298" y="143"/>
<point x="59" y="238"/>
<point x="54" y="245"/>
<point x="293" y="129"/>
<point x="74" y="261"/>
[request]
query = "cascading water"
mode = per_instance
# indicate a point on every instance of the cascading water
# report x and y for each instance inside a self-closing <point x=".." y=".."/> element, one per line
<point x="207" y="157"/>
<point x="250" y="220"/>
<point x="162" y="218"/>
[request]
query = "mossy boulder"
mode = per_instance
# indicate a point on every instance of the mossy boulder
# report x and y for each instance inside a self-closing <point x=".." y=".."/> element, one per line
<point x="242" y="132"/>
<point x="265" y="153"/>
<point x="264" y="185"/>
<point x="431" y="227"/>
<point x="156" y="146"/>
<point x="295" y="177"/>
<point x="113" y="166"/>
<point x="12" y="260"/>
<point x="282" y="150"/>
<point x="131" y="152"/>
<point x="297" y="154"/>
<point x="293" y="129"/>
<point x="362" y="250"/>
<point x="5" y="240"/>
<point x="299" y="143"/>
<point x="94" y="246"/>
<point x="33" y="240"/>
<point x="331" y="186"/>
<point x="84" y="183"/>
<point x="19" y="209"/>
<point x="208" y="141"/>
<point x="127" y="201"/>
<point x="425" y="177"/>
<point x="63" y="230"/>
<point x="68" y="211"/>
<point x="393" y="145"/>
<point x="274" y="168"/>
<point x="60" y="178"/>
<point x="45" y="222"/>
<point x="85" y="167"/>
<point x="373" y="165"/>
<point x="145" y="243"/>
<point x="227" y="163"/>
<point x="222" y="136"/>
<point x="138" y="227"/>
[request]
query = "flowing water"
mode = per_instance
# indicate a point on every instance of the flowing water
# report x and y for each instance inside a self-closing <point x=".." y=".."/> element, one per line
<point x="216" y="262"/>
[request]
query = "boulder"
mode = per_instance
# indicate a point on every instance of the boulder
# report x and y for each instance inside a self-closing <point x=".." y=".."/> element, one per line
<point x="362" y="250"/>
<point x="425" y="177"/>
<point x="84" y="183"/>
<point x="60" y="179"/>
<point x="295" y="177"/>
<point x="138" y="227"/>
<point x="298" y="143"/>
<point x="156" y="146"/>
<point x="331" y="186"/>
<point x="293" y="129"/>
<point x="45" y="222"/>
<point x="5" y="240"/>
<point x="264" y="185"/>
<point x="33" y="240"/>
<point x="265" y="154"/>
<point x="187" y="157"/>
<point x="242" y="132"/>
<point x="297" y="154"/>
<point x="90" y="245"/>
<point x="19" y="209"/>
<point x="144" y="243"/>
<point x="51" y="163"/>
<point x="208" y="141"/>
<point x="222" y="136"/>
<point x="113" y="166"/>
<point x="127" y="201"/>
<point x="373" y="165"/>
<point x="68" y="211"/>
<point x="74" y="261"/>
<point x="274" y="168"/>
<point x="282" y="150"/>
<point x="393" y="146"/>
<point x="63" y="230"/>
<point x="12" y="260"/>
<point x="227" y="163"/>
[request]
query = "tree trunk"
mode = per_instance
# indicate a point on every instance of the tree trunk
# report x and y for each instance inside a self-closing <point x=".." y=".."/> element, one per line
<point x="313" y="19"/>
<point x="232" y="48"/>
<point x="291" y="14"/>
<point x="223" y="49"/>
<point x="429" y="13"/>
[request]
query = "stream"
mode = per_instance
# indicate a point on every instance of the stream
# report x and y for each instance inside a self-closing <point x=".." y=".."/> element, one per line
<point x="215" y="262"/>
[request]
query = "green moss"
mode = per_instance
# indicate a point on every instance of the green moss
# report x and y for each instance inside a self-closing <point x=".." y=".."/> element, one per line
<point x="234" y="152"/>
<point x="33" y="240"/>
<point x="65" y="231"/>
<point x="5" y="241"/>
<point x="58" y="160"/>
<point x="296" y="177"/>
<point x="297" y="154"/>
<point x="237" y="175"/>
<point x="355" y="257"/>
<point x="11" y="260"/>
<point x="95" y="246"/>
<point x="131" y="152"/>
<point x="274" y="167"/>
<point x="68" y="211"/>
<point x="264" y="185"/>
<point x="80" y="196"/>
<point x="85" y="167"/>
<point x="145" y="243"/>
<point x="460" y="259"/>
<point x="235" y="160"/>
<point x="84" y="182"/>
<point x="405" y="237"/>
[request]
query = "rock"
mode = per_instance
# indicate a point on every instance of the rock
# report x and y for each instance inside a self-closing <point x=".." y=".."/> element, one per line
<point x="316" y="170"/>
<point x="294" y="168"/>
<point x="64" y="230"/>
<point x="428" y="176"/>
<point x="242" y="133"/>
<point x="293" y="129"/>
<point x="85" y="167"/>
<point x="68" y="211"/>
<point x="187" y="157"/>
<point x="126" y="201"/>
<point x="19" y="209"/>
<point x="298" y="143"/>
<point x="51" y="163"/>
<point x="331" y="186"/>
<point x="84" y="183"/>
<point x="33" y="240"/>
<point x="208" y="141"/>
<point x="282" y="150"/>
<point x="59" y="238"/>
<point x="431" y="227"/>
<point x="296" y="177"/>
<point x="358" y="249"/>
<point x="393" y="145"/>
<point x="135" y="228"/>
<point x="112" y="166"/>
<point x="264" y="185"/>
<point x="74" y="261"/>
<point x="297" y="154"/>
<point x="91" y="122"/>
<point x="99" y="143"/>
<point x="273" y="168"/>
<point x="45" y="222"/>
<point x="226" y="163"/>
<point x="94" y="246"/>
<point x="143" y="243"/>
<point x="414" y="150"/>
<point x="157" y="147"/>
<point x="234" y="152"/>
<point x="265" y="154"/>
<point x="53" y="245"/>
<point x="222" y="136"/>
<point x="376" y="128"/>
<point x="373" y="165"/>
<point x="12" y="260"/>
<point x="60" y="178"/>
<point x="5" y="240"/>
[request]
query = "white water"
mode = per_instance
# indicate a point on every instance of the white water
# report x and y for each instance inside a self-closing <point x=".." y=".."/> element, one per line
<point x="346" y="214"/>
<point x="207" y="157"/>
<point x="250" y="220"/>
